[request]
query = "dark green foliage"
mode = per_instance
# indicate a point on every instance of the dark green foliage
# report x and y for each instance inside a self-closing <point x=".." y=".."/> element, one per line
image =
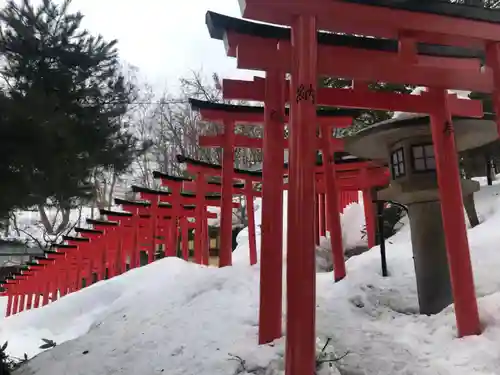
<point x="5" y="366"/>
<point x="61" y="108"/>
<point x="47" y="344"/>
<point x="489" y="3"/>
<point x="392" y="216"/>
<point x="8" y="363"/>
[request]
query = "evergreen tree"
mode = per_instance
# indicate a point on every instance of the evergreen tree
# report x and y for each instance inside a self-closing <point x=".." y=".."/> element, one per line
<point x="61" y="107"/>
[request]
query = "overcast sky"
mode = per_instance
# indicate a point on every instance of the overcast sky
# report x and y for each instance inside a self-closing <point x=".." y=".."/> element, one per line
<point x="163" y="38"/>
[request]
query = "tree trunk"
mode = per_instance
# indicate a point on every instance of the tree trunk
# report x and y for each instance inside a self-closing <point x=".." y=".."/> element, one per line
<point x="112" y="190"/>
<point x="14" y="224"/>
<point x="45" y="220"/>
<point x="66" y="212"/>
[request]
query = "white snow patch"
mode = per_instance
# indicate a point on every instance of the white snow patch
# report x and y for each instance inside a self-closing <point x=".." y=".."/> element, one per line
<point x="173" y="317"/>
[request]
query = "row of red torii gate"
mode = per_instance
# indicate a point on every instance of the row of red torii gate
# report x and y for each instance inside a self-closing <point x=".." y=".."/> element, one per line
<point x="433" y="44"/>
<point x="160" y="220"/>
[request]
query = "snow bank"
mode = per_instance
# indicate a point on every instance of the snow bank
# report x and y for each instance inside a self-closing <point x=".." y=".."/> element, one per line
<point x="173" y="318"/>
<point x="352" y="221"/>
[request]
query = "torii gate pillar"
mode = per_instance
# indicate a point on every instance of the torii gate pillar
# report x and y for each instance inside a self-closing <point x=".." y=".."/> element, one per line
<point x="271" y="265"/>
<point x="454" y="226"/>
<point x="301" y="273"/>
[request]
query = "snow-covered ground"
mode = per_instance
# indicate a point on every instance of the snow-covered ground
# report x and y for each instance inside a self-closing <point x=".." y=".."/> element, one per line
<point x="173" y="317"/>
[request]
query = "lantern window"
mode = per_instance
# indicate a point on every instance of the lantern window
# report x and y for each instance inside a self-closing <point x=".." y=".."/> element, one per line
<point x="423" y="158"/>
<point x="398" y="163"/>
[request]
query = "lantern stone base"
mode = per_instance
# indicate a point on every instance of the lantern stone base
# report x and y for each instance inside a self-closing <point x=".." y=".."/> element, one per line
<point x="428" y="241"/>
<point x="403" y="143"/>
<point x="429" y="257"/>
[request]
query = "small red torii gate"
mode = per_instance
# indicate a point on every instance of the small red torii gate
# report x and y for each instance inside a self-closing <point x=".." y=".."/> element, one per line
<point x="243" y="187"/>
<point x="201" y="198"/>
<point x="161" y="202"/>
<point x="198" y="202"/>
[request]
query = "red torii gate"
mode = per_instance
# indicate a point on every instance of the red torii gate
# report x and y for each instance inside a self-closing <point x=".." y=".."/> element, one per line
<point x="201" y="198"/>
<point x="274" y="58"/>
<point x="90" y="250"/>
<point x="254" y="115"/>
<point x="327" y="149"/>
<point x="355" y="174"/>
<point x="351" y="176"/>
<point x="21" y="287"/>
<point x="363" y="176"/>
<point x="247" y="114"/>
<point x="203" y="170"/>
<point x="240" y="41"/>
<point x="305" y="60"/>
<point x="197" y="202"/>
<point x="153" y="197"/>
<point x="56" y="274"/>
<point x="141" y="209"/>
<point x="229" y="115"/>
<point x="99" y="249"/>
<point x="346" y="197"/>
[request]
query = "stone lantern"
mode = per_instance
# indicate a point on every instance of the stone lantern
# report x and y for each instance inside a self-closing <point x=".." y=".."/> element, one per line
<point x="404" y="143"/>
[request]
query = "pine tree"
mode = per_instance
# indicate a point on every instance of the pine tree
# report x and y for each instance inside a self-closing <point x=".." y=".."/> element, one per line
<point x="61" y="108"/>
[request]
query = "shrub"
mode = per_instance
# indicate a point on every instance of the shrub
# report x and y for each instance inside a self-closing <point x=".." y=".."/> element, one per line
<point x="9" y="363"/>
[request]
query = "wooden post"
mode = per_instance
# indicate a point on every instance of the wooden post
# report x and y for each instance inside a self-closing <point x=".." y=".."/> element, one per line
<point x="154" y="199"/>
<point x="322" y="215"/>
<point x="301" y="271"/>
<point x="226" y="219"/>
<point x="185" y="238"/>
<point x="332" y="196"/>
<point x="316" y="219"/>
<point x="15" y="304"/>
<point x="271" y="249"/>
<point x="454" y="226"/>
<point x="251" y="221"/>
<point x="8" y="311"/>
<point x="171" y="249"/>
